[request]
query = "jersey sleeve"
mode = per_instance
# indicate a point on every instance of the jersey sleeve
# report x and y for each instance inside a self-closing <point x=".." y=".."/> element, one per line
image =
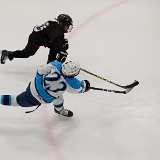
<point x="75" y="86"/>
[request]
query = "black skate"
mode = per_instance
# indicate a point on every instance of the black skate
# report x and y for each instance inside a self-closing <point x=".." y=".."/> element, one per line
<point x="4" y="55"/>
<point x="64" y="112"/>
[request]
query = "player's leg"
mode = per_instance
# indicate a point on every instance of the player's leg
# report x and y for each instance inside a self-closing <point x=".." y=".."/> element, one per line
<point x="28" y="51"/>
<point x="26" y="99"/>
<point x="59" y="108"/>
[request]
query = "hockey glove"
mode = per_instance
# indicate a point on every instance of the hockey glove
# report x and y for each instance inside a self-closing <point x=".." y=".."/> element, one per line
<point x="87" y="85"/>
<point x="61" y="57"/>
<point x="65" y="45"/>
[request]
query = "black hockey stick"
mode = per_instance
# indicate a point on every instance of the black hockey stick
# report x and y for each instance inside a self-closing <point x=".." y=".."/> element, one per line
<point x="34" y="109"/>
<point x="114" y="91"/>
<point x="135" y="83"/>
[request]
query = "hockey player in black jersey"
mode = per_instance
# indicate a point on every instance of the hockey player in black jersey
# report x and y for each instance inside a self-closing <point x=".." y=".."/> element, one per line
<point x="51" y="35"/>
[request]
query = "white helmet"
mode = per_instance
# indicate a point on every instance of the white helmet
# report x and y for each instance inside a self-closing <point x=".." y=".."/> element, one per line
<point x="70" y="68"/>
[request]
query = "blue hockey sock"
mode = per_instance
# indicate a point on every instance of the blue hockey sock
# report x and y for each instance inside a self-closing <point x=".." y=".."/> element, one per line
<point x="6" y="100"/>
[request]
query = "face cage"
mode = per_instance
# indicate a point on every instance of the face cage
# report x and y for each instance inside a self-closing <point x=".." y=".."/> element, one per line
<point x="69" y="29"/>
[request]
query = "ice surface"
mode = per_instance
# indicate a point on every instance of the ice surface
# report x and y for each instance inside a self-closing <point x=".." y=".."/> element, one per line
<point x="118" y="40"/>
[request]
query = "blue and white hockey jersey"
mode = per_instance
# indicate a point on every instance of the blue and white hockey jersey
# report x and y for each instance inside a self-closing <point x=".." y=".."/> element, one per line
<point x="49" y="84"/>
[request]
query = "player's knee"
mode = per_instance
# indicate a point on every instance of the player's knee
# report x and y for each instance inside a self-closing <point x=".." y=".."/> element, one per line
<point x="30" y="50"/>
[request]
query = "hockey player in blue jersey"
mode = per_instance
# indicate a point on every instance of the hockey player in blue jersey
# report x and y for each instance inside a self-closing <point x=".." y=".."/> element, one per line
<point x="48" y="86"/>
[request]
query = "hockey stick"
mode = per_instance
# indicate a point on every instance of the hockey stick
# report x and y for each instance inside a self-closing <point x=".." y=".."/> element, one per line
<point x="135" y="83"/>
<point x="114" y="91"/>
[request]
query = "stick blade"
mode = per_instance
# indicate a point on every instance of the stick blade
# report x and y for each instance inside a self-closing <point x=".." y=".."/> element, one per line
<point x="128" y="90"/>
<point x="135" y="83"/>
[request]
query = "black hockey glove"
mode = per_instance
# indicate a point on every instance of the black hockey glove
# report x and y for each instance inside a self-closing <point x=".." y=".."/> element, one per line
<point x="61" y="57"/>
<point x="65" y="45"/>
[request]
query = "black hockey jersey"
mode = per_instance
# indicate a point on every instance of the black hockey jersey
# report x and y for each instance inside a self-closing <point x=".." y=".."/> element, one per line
<point x="50" y="34"/>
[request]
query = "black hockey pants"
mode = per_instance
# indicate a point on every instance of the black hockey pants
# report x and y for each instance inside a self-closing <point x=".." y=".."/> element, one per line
<point x="28" y="51"/>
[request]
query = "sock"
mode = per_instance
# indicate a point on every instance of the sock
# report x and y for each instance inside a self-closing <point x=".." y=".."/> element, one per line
<point x="6" y="100"/>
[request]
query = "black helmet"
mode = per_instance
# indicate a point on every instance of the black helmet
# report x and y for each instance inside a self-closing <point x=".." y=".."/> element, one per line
<point x="65" y="19"/>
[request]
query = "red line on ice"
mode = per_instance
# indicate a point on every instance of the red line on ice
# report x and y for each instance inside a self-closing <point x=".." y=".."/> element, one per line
<point x="49" y="129"/>
<point x="93" y="18"/>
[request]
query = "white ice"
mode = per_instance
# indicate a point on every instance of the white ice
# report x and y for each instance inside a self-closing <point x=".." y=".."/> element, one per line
<point x="115" y="39"/>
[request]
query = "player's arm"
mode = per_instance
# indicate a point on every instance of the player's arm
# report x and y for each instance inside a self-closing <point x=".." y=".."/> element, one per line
<point x="76" y="86"/>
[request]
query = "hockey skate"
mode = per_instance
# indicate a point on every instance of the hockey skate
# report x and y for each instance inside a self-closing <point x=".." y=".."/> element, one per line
<point x="64" y="112"/>
<point x="4" y="55"/>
